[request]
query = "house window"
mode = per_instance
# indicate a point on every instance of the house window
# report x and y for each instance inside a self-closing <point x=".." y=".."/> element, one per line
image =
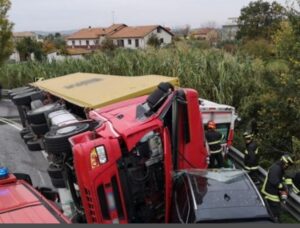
<point x="121" y="43"/>
<point x="161" y="40"/>
<point x="136" y="42"/>
<point x="159" y="30"/>
<point x="79" y="42"/>
<point x="73" y="42"/>
<point x="129" y="41"/>
<point x="87" y="42"/>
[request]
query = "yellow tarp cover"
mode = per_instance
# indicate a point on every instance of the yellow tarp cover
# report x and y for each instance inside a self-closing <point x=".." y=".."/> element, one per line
<point x="96" y="90"/>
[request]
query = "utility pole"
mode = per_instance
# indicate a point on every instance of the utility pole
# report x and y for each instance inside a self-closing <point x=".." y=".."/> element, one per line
<point x="113" y="17"/>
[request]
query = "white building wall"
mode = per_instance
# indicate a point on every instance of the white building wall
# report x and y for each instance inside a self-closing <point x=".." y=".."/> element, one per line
<point x="162" y="35"/>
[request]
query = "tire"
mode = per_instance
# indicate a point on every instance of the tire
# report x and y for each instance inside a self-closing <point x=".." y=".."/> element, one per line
<point x="57" y="139"/>
<point x="39" y="129"/>
<point x="48" y="193"/>
<point x="23" y="176"/>
<point x="28" y="137"/>
<point x="36" y="104"/>
<point x="34" y="145"/>
<point x="37" y="116"/>
<point x="58" y="183"/>
<point x="24" y="132"/>
<point x="16" y="91"/>
<point x="24" y="98"/>
<point x="55" y="172"/>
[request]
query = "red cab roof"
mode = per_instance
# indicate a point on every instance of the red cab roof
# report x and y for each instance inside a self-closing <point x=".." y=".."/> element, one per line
<point x="20" y="203"/>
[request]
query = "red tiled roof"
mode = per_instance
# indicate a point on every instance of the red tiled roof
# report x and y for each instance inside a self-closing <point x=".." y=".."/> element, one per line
<point x="94" y="33"/>
<point x="202" y="31"/>
<point x="88" y="33"/>
<point x="136" y="32"/>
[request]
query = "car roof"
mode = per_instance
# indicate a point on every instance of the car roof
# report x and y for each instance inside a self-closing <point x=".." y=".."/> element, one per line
<point x="20" y="203"/>
<point x="236" y="198"/>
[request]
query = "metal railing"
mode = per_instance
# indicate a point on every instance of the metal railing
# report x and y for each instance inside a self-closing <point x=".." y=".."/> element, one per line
<point x="292" y="204"/>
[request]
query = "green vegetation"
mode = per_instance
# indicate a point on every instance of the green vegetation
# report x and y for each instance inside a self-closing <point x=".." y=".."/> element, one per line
<point x="6" y="44"/>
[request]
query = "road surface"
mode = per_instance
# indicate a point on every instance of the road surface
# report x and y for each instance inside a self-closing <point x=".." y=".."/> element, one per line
<point x="13" y="151"/>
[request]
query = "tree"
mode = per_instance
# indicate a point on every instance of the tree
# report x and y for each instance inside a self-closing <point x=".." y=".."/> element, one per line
<point x="28" y="46"/>
<point x="154" y="41"/>
<point x="260" y="20"/>
<point x="6" y="42"/>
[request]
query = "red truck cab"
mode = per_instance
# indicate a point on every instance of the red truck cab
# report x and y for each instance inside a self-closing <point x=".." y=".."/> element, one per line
<point x="124" y="168"/>
<point x="21" y="203"/>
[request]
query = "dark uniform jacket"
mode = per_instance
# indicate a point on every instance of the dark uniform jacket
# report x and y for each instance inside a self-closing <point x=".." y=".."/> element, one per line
<point x="273" y="182"/>
<point x="214" y="139"/>
<point x="251" y="156"/>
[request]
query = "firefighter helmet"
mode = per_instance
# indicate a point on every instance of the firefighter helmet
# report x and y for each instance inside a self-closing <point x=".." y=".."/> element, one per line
<point x="211" y="125"/>
<point x="247" y="135"/>
<point x="287" y="159"/>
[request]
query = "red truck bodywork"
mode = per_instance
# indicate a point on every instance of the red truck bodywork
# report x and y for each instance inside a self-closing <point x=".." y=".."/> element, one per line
<point x="102" y="186"/>
<point x="21" y="203"/>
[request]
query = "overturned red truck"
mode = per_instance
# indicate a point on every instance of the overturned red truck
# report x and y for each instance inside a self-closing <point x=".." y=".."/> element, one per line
<point x="123" y="163"/>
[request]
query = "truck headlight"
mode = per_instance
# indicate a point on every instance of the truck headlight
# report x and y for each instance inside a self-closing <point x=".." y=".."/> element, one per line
<point x="98" y="157"/>
<point x="101" y="154"/>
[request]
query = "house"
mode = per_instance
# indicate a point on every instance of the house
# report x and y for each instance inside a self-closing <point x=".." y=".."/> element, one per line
<point x="230" y="29"/>
<point x="121" y="34"/>
<point x="18" y="36"/>
<point x="91" y="38"/>
<point x="138" y="37"/>
<point x="209" y="34"/>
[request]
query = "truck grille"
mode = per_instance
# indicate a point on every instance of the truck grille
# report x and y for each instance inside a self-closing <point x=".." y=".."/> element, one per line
<point x="90" y="205"/>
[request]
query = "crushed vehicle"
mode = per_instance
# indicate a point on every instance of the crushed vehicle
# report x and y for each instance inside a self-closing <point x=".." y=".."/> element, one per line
<point x="118" y="161"/>
<point x="21" y="203"/>
<point x="217" y="196"/>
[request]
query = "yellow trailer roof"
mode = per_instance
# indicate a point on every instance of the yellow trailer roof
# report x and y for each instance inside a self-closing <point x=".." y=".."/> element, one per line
<point x="97" y="90"/>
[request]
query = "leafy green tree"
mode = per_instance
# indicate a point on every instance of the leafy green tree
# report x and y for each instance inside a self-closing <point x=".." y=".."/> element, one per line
<point x="6" y="42"/>
<point x="28" y="46"/>
<point x="260" y="19"/>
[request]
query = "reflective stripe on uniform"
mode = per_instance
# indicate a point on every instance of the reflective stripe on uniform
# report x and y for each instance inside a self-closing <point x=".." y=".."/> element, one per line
<point x="251" y="168"/>
<point x="246" y="151"/>
<point x="216" y="152"/>
<point x="288" y="181"/>
<point x="214" y="143"/>
<point x="280" y="186"/>
<point x="274" y="198"/>
<point x="256" y="151"/>
<point x="295" y="189"/>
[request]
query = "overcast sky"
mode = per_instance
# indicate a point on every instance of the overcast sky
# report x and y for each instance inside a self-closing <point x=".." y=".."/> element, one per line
<point x="57" y="15"/>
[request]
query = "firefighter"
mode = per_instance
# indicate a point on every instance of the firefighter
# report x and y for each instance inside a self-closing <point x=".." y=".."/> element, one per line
<point x="214" y="139"/>
<point x="251" y="157"/>
<point x="274" y="189"/>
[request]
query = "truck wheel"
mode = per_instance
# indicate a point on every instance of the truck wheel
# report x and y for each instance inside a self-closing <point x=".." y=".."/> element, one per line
<point x="18" y="92"/>
<point x="24" y="132"/>
<point x="55" y="172"/>
<point x="37" y="116"/>
<point x="56" y="140"/>
<point x="23" y="176"/>
<point x="39" y="129"/>
<point x="28" y="136"/>
<point x="34" y="145"/>
<point x="58" y="183"/>
<point x="24" y="98"/>
<point x="48" y="193"/>
<point x="36" y="104"/>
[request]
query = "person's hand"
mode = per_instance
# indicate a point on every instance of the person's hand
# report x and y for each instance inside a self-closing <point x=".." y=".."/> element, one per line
<point x="283" y="196"/>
